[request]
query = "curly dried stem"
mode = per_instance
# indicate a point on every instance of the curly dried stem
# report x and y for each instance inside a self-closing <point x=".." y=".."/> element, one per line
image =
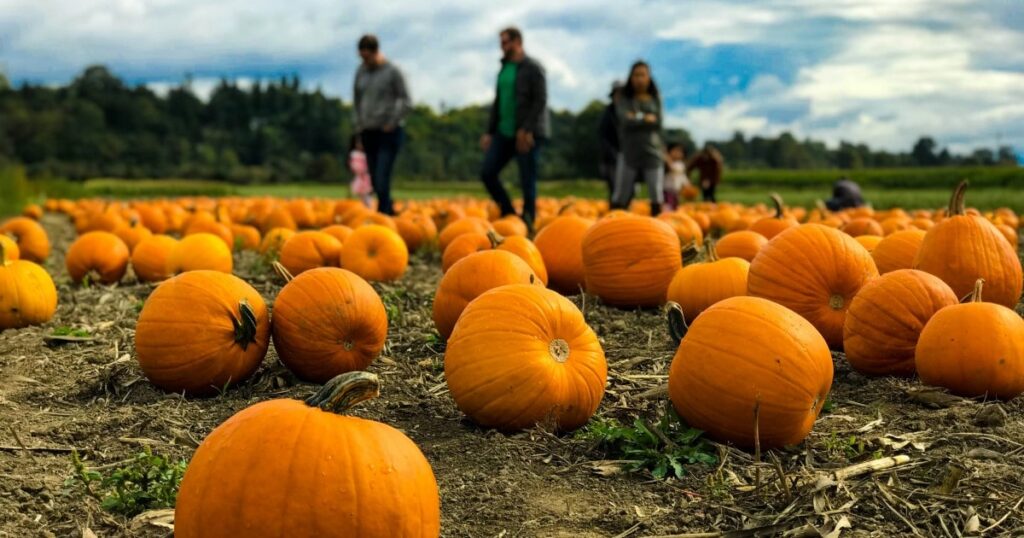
<point x="282" y="272"/>
<point x="956" y="202"/>
<point x="709" y="251"/>
<point x="677" y="327"/>
<point x="346" y="390"/>
<point x="245" y="324"/>
<point x="495" y="238"/>
<point x="777" y="201"/>
<point x="975" y="296"/>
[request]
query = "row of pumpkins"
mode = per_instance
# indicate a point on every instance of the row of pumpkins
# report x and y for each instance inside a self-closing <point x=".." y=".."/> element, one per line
<point x="754" y="367"/>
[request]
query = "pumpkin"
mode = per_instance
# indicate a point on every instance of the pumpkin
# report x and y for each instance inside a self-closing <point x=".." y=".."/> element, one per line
<point x="245" y="237"/>
<point x="200" y="251"/>
<point x="212" y="227"/>
<point x="375" y="253"/>
<point x="226" y="324"/>
<point x="749" y="371"/>
<point x="33" y="243"/>
<point x="769" y="227"/>
<point x="100" y="254"/>
<point x="416" y="229"/>
<point x="897" y="250"/>
<point x="472" y="276"/>
<point x="151" y="258"/>
<point x="342" y="476"/>
<point x="1009" y="233"/>
<point x="524" y="248"/>
<point x="510" y="226"/>
<point x="132" y="234"/>
<point x="521" y="355"/>
<point x="869" y="242"/>
<point x="886" y="318"/>
<point x="33" y="211"/>
<point x="338" y="231"/>
<point x="10" y="248"/>
<point x="685" y="227"/>
<point x="278" y="217"/>
<point x="27" y="294"/>
<point x="630" y="261"/>
<point x="963" y="248"/>
<point x="863" y="226"/>
<point x="153" y="218"/>
<point x="463" y="246"/>
<point x="561" y="247"/>
<point x="698" y="286"/>
<point x="274" y="240"/>
<point x="815" y="271"/>
<point x="973" y="349"/>
<point x="462" y="226"/>
<point x="328" y="321"/>
<point x="310" y="249"/>
<point x="743" y="244"/>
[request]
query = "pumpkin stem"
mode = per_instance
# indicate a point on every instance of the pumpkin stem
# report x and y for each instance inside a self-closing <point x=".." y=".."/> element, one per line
<point x="956" y="202"/>
<point x="495" y="238"/>
<point x="245" y="325"/>
<point x="690" y="252"/>
<point x="836" y="302"/>
<point x="709" y="251"/>
<point x="564" y="208"/>
<point x="282" y="272"/>
<point x="559" y="350"/>
<point x="777" y="201"/>
<point x="3" y="255"/>
<point x="820" y="204"/>
<point x="975" y="295"/>
<point x="346" y="390"/>
<point x="677" y="327"/>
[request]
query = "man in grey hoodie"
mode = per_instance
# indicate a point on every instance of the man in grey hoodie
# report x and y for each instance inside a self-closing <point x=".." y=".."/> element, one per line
<point x="381" y="103"/>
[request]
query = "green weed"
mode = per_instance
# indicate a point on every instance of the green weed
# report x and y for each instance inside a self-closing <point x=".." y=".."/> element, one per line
<point x="146" y="482"/>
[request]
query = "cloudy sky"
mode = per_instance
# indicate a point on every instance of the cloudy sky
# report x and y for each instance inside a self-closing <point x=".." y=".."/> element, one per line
<point x="877" y="71"/>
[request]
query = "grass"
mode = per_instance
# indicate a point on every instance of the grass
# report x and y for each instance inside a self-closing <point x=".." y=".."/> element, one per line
<point x="146" y="482"/>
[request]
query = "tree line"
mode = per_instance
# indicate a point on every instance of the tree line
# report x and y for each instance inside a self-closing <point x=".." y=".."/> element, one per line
<point x="279" y="131"/>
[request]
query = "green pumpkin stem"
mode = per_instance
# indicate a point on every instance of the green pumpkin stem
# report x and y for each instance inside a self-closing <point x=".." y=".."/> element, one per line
<point x="245" y="328"/>
<point x="777" y="201"/>
<point x="282" y="272"/>
<point x="956" y="202"/>
<point x="495" y="238"/>
<point x="346" y="390"/>
<point x="677" y="327"/>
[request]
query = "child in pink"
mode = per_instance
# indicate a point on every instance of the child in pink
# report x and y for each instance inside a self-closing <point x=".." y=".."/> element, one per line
<point x="361" y="185"/>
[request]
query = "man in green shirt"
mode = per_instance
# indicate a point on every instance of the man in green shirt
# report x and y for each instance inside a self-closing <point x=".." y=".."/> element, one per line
<point x="519" y="122"/>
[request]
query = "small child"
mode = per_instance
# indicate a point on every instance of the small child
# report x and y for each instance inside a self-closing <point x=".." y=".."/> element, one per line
<point x="361" y="185"/>
<point x="675" y="175"/>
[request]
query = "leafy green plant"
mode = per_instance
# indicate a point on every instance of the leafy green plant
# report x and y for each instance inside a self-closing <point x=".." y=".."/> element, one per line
<point x="663" y="448"/>
<point x="146" y="482"/>
<point x="394" y="299"/>
<point x="70" y="331"/>
<point x="849" y="447"/>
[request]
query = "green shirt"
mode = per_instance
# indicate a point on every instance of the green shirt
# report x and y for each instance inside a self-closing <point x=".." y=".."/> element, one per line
<point x="507" y="99"/>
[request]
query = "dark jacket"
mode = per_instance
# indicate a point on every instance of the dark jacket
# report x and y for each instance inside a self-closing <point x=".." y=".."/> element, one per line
<point x="608" y="133"/>
<point x="845" y="193"/>
<point x="531" y="101"/>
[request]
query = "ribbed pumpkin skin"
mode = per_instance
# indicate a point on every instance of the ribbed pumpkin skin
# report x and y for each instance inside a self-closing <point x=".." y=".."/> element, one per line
<point x="745" y="352"/>
<point x="528" y="252"/>
<point x="964" y="248"/>
<point x="282" y="468"/>
<point x="630" y="261"/>
<point x="185" y="340"/>
<point x="151" y="257"/>
<point x="328" y="321"/>
<point x="376" y="253"/>
<point x="32" y="240"/>
<point x="11" y="251"/>
<point x="698" y="286"/>
<point x="101" y="252"/>
<point x="472" y="276"/>
<point x="501" y="367"/>
<point x="200" y="252"/>
<point x="27" y="294"/>
<point x="743" y="244"/>
<point x="461" y="226"/>
<point x="417" y="230"/>
<point x="815" y="271"/>
<point x="309" y="250"/>
<point x="275" y="239"/>
<point x="886" y="318"/>
<point x="898" y="250"/>
<point x="462" y="246"/>
<point x="561" y="246"/>
<point x="973" y="349"/>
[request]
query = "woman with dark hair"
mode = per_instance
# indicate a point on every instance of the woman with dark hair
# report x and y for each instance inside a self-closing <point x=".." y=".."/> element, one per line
<point x="641" y="147"/>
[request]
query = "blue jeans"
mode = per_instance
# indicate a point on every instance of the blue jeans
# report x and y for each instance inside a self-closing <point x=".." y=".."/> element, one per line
<point x="381" y="151"/>
<point x="502" y="150"/>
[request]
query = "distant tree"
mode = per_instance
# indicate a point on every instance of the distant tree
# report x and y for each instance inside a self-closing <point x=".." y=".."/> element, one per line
<point x="924" y="151"/>
<point x="1006" y="156"/>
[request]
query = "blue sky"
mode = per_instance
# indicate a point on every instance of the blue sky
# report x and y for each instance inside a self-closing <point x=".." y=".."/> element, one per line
<point x="881" y="72"/>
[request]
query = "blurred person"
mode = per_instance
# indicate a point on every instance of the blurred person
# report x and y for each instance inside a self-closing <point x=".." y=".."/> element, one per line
<point x="361" y="185"/>
<point x="608" y="138"/>
<point x="709" y="163"/>
<point x="675" y="175"/>
<point x="381" y="103"/>
<point x="642" y="152"/>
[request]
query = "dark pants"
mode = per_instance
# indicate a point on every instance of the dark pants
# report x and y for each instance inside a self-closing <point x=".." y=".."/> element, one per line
<point x="502" y="150"/>
<point x="709" y="192"/>
<point x="381" y="151"/>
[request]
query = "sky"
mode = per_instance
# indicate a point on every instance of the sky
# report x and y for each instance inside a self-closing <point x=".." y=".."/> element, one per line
<point x="881" y="72"/>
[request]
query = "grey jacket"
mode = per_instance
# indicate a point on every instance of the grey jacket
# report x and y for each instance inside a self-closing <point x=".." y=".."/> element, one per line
<point x="380" y="97"/>
<point x="639" y="140"/>
<point x="531" y="101"/>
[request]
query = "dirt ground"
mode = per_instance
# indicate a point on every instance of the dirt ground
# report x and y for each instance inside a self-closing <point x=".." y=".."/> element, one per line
<point x="963" y="476"/>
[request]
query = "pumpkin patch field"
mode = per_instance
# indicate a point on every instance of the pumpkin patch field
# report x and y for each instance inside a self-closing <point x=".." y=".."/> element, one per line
<point x="306" y="367"/>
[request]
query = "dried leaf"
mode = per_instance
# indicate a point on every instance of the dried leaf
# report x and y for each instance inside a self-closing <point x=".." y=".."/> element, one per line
<point x="843" y="523"/>
<point x="158" y="518"/>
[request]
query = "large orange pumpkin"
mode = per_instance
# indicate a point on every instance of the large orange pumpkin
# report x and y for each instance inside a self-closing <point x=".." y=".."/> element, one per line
<point x="696" y="287"/>
<point x="461" y="226"/>
<point x="416" y="229"/>
<point x="304" y="470"/>
<point x="27" y="294"/>
<point x="328" y="321"/>
<point x="245" y="237"/>
<point x="742" y="244"/>
<point x="472" y="276"/>
<point x="462" y="246"/>
<point x="200" y="251"/>
<point x="524" y="248"/>
<point x="200" y="331"/>
<point x="749" y="365"/>
<point x="963" y="248"/>
<point x="561" y="246"/>
<point x="630" y="261"/>
<point x="32" y="240"/>
<point x="521" y="355"/>
<point x="769" y="227"/>
<point x="310" y="249"/>
<point x="973" y="349"/>
<point x="151" y="258"/>
<point x="132" y="234"/>
<point x="897" y="250"/>
<point x="886" y="317"/>
<point x="212" y="227"/>
<point x="685" y="227"/>
<point x="101" y="254"/>
<point x="376" y="253"/>
<point x="815" y="271"/>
